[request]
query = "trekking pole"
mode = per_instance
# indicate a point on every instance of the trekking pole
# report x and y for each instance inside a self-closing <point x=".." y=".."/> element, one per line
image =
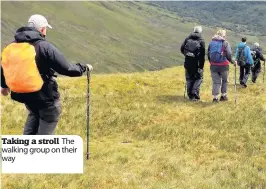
<point x="185" y="90"/>
<point x="89" y="69"/>
<point x="235" y="86"/>
<point x="264" y="72"/>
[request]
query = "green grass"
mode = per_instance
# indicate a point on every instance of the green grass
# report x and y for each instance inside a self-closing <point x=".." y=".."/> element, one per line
<point x="112" y="36"/>
<point x="144" y="134"/>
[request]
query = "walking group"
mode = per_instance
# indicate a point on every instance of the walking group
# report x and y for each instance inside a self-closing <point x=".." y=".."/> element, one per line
<point x="220" y="56"/>
<point x="29" y="64"/>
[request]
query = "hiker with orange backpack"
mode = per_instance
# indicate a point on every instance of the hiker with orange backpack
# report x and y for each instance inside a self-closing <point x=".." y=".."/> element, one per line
<point x="28" y="67"/>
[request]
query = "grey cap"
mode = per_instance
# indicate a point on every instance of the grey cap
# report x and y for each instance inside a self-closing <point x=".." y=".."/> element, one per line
<point x="38" y="21"/>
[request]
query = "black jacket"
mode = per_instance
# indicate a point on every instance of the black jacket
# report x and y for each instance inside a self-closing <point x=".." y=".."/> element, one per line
<point x="49" y="60"/>
<point x="192" y="64"/>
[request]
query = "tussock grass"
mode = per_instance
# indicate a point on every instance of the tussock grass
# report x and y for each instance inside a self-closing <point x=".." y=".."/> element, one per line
<point x="144" y="134"/>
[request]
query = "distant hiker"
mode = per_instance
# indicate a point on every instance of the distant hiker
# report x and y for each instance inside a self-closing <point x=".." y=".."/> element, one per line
<point x="257" y="56"/>
<point x="219" y="56"/>
<point x="193" y="49"/>
<point x="244" y="61"/>
<point x="28" y="69"/>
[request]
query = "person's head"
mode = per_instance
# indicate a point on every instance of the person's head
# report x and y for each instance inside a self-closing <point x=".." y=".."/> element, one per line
<point x="197" y="29"/>
<point x="39" y="22"/>
<point x="244" y="39"/>
<point x="256" y="45"/>
<point x="221" y="33"/>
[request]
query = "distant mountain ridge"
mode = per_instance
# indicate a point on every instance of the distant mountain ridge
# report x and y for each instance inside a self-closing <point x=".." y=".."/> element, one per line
<point x="244" y="17"/>
<point x="112" y="36"/>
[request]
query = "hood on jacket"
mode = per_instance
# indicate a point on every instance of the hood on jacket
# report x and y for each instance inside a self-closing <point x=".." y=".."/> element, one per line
<point x="218" y="38"/>
<point x="195" y="36"/>
<point x="247" y="52"/>
<point x="241" y="44"/>
<point x="28" y="34"/>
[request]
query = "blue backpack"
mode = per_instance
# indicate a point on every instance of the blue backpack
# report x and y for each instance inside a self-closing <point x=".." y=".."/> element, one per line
<point x="217" y="52"/>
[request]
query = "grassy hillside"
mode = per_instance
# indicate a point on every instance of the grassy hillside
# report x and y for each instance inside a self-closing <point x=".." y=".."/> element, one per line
<point x="146" y="135"/>
<point x="112" y="36"/>
<point x="244" y="17"/>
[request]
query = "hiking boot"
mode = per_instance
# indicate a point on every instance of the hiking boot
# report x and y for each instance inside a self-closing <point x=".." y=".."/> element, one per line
<point x="194" y="97"/>
<point x="244" y="85"/>
<point x="223" y="98"/>
<point x="215" y="100"/>
<point x="191" y="97"/>
<point x="197" y="97"/>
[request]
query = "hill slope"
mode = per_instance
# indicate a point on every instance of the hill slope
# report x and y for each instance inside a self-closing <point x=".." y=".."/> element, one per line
<point x="145" y="135"/>
<point x="112" y="36"/>
<point x="244" y="17"/>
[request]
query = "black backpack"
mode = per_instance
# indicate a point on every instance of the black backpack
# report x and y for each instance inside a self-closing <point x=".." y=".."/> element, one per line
<point x="241" y="58"/>
<point x="192" y="48"/>
<point x="254" y="56"/>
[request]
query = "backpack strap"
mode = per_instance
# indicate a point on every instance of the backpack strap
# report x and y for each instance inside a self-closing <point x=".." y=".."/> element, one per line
<point x="223" y="48"/>
<point x="45" y="76"/>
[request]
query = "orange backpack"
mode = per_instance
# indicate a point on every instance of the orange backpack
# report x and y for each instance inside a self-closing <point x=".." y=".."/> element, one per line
<point x="20" y="69"/>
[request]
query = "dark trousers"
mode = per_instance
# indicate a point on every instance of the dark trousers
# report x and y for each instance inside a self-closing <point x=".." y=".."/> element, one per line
<point x="256" y="71"/>
<point x="244" y="73"/>
<point x="193" y="82"/>
<point x="42" y="121"/>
